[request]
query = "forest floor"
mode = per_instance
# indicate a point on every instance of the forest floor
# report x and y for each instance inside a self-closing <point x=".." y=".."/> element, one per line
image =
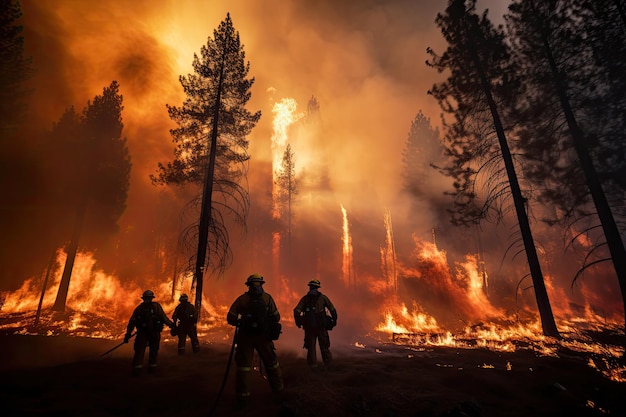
<point x="68" y="376"/>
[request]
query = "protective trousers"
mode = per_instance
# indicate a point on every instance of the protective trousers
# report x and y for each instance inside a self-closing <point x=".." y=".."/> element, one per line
<point x="184" y="330"/>
<point x="311" y="336"/>
<point x="143" y="340"/>
<point x="246" y="345"/>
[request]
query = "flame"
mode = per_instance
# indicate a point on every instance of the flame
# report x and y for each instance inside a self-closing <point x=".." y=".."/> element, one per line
<point x="464" y="288"/>
<point x="89" y="287"/>
<point x="401" y="320"/>
<point x="347" y="265"/>
<point x="97" y="305"/>
<point x="388" y="254"/>
<point x="275" y="252"/>
<point x="285" y="115"/>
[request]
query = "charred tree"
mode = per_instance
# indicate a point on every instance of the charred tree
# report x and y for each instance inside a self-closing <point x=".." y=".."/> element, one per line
<point x="211" y="146"/>
<point x="478" y="58"/>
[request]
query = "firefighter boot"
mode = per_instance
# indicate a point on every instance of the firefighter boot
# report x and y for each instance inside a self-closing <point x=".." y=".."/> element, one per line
<point x="327" y="357"/>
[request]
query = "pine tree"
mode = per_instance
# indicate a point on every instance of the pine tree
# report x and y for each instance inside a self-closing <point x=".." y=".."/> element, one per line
<point x="96" y="177"/>
<point x="565" y="79"/>
<point x="420" y="151"/>
<point x="287" y="188"/>
<point x="475" y="93"/>
<point x="211" y="145"/>
<point x="15" y="68"/>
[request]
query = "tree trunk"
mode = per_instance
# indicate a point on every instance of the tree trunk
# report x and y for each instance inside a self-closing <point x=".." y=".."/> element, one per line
<point x="72" y="248"/>
<point x="43" y="288"/>
<point x="543" y="302"/>
<point x="609" y="227"/>
<point x="207" y="197"/>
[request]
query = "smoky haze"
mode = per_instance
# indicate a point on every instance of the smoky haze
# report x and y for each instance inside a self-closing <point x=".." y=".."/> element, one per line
<point x="364" y="62"/>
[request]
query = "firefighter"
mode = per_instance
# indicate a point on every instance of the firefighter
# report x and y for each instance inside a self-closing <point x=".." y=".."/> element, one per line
<point x="185" y="319"/>
<point x="256" y="317"/>
<point x="149" y="319"/>
<point x="310" y="313"/>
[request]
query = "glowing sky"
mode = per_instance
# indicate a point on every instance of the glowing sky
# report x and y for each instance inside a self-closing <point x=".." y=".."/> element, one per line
<point x="363" y="60"/>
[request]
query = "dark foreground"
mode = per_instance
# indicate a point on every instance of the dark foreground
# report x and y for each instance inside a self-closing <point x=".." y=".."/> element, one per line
<point x="65" y="376"/>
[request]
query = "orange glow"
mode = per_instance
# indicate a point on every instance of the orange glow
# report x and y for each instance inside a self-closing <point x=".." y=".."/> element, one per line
<point x="276" y="253"/>
<point x="347" y="265"/>
<point x="388" y="254"/>
<point x="98" y="304"/>
<point x="414" y="291"/>
<point x="285" y="115"/>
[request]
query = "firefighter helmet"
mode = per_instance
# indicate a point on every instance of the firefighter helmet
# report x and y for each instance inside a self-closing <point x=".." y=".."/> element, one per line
<point x="315" y="283"/>
<point x="183" y="297"/>
<point x="255" y="279"/>
<point x="147" y="295"/>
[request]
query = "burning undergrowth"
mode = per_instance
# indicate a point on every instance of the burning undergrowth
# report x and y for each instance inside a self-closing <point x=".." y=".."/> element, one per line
<point x="423" y="305"/>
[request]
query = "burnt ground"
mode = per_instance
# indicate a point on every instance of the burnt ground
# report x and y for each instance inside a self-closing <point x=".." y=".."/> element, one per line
<point x="66" y="376"/>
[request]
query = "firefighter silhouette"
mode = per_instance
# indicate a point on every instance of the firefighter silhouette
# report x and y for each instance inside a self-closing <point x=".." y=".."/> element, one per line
<point x="310" y="314"/>
<point x="256" y="318"/>
<point x="185" y="319"/>
<point x="148" y="318"/>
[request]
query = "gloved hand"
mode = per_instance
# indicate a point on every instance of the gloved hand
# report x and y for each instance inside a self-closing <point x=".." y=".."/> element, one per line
<point x="127" y="337"/>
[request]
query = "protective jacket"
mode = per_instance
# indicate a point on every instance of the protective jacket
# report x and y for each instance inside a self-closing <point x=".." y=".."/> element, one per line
<point x="244" y="308"/>
<point x="251" y="313"/>
<point x="310" y="313"/>
<point x="185" y="318"/>
<point x="185" y="312"/>
<point x="148" y="317"/>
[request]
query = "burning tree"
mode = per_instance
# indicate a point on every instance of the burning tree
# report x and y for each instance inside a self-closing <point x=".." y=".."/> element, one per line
<point x="478" y="60"/>
<point x="211" y="145"/>
<point x="287" y="188"/>
<point x="93" y="163"/>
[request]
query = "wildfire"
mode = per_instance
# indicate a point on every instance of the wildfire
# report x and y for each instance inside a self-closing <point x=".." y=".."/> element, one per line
<point x="284" y="116"/>
<point x="347" y="265"/>
<point x="91" y="289"/>
<point x="388" y="254"/>
<point x="275" y="252"/>
<point x="465" y="290"/>
<point x="98" y="304"/>
<point x="429" y="303"/>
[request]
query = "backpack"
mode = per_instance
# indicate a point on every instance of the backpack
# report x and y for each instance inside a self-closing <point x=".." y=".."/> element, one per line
<point x="186" y="313"/>
<point x="312" y="317"/>
<point x="148" y="320"/>
<point x="255" y="317"/>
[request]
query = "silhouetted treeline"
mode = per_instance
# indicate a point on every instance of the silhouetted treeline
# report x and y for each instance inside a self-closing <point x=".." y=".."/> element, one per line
<point x="546" y="86"/>
<point x="63" y="186"/>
